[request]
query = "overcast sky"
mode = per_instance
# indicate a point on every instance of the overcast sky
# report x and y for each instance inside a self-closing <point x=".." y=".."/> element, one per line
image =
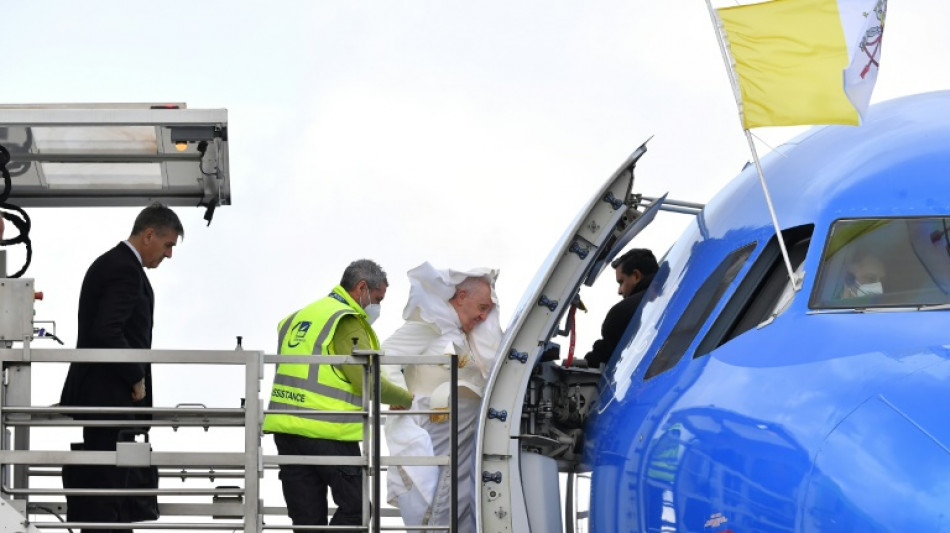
<point x="461" y="133"/>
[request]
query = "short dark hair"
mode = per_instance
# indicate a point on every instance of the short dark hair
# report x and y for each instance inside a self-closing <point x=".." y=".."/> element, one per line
<point x="640" y="259"/>
<point x="158" y="217"/>
<point x="363" y="270"/>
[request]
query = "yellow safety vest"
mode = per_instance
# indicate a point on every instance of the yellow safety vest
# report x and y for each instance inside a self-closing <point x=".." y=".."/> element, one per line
<point x="311" y="389"/>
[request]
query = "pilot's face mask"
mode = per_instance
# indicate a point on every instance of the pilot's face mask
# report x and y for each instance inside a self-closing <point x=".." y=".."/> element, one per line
<point x="870" y="289"/>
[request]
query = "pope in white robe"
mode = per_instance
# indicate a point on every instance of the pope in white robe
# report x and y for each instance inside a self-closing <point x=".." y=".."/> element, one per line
<point x="449" y="312"/>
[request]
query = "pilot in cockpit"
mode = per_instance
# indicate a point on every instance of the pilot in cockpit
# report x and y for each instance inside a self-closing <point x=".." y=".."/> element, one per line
<point x="864" y="276"/>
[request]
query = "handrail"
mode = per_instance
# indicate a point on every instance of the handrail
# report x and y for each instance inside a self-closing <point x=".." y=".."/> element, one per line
<point x="125" y="492"/>
<point x="40" y="471"/>
<point x="377" y="392"/>
<point x="94" y="355"/>
<point x="249" y="464"/>
<point x="239" y="422"/>
<point x="214" y="411"/>
<point x="83" y="457"/>
<point x="187" y="526"/>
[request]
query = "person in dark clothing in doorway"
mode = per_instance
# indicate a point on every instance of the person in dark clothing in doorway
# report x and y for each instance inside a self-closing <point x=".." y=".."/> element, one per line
<point x="635" y="270"/>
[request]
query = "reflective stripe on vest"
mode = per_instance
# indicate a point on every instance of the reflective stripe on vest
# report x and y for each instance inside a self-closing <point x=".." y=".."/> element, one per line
<point x="306" y="412"/>
<point x="283" y="331"/>
<point x="312" y="381"/>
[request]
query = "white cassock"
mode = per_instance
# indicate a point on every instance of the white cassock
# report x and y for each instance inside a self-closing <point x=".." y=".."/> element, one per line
<point x="432" y="327"/>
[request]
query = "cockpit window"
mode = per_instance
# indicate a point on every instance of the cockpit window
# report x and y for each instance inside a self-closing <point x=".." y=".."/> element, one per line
<point x="764" y="293"/>
<point x="695" y="315"/>
<point x="892" y="262"/>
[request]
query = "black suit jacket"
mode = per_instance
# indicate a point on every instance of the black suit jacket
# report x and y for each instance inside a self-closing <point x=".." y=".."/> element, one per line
<point x="115" y="311"/>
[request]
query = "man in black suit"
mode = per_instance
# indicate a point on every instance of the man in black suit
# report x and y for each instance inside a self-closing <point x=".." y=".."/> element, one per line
<point x="115" y="311"/>
<point x="635" y="270"/>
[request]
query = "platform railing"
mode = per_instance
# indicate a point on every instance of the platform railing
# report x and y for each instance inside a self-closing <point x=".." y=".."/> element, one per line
<point x="232" y="508"/>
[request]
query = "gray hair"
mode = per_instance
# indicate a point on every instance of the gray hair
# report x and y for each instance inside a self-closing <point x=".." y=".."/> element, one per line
<point x="158" y="217"/>
<point x="470" y="283"/>
<point x="363" y="270"/>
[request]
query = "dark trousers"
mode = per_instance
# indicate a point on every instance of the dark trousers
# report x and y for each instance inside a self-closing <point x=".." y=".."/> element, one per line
<point x="98" y="508"/>
<point x="305" y="486"/>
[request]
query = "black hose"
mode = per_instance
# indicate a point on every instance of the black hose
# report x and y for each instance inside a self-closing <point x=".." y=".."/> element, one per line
<point x="17" y="217"/>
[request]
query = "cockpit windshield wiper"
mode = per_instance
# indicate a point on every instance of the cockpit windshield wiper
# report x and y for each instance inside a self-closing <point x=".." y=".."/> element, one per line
<point x="933" y="307"/>
<point x="892" y="309"/>
<point x="904" y="308"/>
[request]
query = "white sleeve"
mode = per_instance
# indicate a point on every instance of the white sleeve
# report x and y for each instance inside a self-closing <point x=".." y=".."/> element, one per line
<point x="395" y="376"/>
<point x="412" y="338"/>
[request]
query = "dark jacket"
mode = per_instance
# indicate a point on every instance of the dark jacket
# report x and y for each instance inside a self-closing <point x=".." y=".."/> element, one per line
<point x="115" y="311"/>
<point x="615" y="324"/>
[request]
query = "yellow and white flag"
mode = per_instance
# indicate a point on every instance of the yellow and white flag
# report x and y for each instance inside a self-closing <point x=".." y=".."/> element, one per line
<point x="804" y="61"/>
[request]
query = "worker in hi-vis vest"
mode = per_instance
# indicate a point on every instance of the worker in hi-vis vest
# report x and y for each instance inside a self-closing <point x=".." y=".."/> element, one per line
<point x="334" y="325"/>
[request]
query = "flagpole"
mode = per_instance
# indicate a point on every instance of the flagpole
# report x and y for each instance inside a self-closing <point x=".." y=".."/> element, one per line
<point x="726" y="59"/>
<point x="796" y="282"/>
<point x="737" y="94"/>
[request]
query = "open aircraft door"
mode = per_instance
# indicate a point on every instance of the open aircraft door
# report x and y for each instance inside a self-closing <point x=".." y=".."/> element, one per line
<point x="534" y="409"/>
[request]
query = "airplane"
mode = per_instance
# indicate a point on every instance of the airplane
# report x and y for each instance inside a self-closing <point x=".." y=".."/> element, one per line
<point x="737" y="401"/>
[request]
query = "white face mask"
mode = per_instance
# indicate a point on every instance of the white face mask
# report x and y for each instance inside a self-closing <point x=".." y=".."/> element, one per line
<point x="372" y="312"/>
<point x="870" y="289"/>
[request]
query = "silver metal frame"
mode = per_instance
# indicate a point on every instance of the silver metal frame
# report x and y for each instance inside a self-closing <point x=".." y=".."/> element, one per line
<point x="187" y="177"/>
<point x="16" y="412"/>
